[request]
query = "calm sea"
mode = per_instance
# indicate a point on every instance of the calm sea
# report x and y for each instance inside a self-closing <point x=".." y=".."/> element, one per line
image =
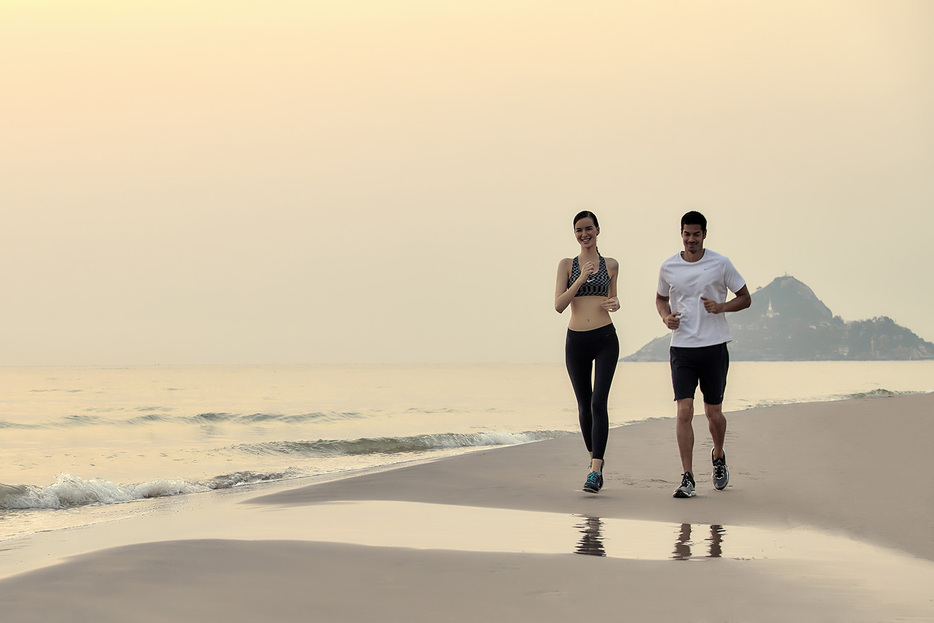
<point x="74" y="437"/>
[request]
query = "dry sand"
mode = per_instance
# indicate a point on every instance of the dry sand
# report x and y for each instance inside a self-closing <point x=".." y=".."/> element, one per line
<point x="827" y="518"/>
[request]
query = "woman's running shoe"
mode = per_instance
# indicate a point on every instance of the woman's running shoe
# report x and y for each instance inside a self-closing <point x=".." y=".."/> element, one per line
<point x="594" y="482"/>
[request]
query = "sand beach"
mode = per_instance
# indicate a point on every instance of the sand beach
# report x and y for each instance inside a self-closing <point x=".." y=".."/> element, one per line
<point x="827" y="518"/>
<point x="278" y="339"/>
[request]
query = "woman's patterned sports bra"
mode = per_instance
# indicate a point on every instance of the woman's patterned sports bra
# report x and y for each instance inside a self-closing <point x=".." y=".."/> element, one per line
<point x="597" y="284"/>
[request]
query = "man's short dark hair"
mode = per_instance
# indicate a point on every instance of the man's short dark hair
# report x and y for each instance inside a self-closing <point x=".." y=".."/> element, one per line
<point x="694" y="218"/>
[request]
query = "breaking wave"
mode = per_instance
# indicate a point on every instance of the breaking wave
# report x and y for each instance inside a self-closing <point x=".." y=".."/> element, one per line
<point x="143" y="416"/>
<point x="395" y="445"/>
<point x="877" y="393"/>
<point x="873" y="393"/>
<point x="69" y="491"/>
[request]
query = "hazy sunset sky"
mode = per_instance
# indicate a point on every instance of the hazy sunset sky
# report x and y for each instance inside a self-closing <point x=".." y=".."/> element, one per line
<point x="394" y="181"/>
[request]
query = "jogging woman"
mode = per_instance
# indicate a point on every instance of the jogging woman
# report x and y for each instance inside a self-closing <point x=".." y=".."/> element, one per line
<point x="587" y="284"/>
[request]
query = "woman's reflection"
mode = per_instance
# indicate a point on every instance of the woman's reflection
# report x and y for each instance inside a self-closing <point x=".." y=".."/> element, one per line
<point x="591" y="541"/>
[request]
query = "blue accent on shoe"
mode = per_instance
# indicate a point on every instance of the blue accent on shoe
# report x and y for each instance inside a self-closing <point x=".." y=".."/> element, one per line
<point x="594" y="482"/>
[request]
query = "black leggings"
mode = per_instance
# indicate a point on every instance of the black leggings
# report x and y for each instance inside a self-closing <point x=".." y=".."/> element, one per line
<point x="582" y="350"/>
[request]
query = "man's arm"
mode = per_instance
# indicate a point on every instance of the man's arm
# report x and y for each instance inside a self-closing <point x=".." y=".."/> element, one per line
<point x="663" y="306"/>
<point x="742" y="300"/>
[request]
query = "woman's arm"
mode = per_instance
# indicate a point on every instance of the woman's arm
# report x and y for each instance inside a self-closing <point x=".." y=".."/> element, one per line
<point x="563" y="294"/>
<point x="611" y="304"/>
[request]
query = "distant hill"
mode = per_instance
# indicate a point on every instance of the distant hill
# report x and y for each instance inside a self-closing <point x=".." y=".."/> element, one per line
<point x="787" y="322"/>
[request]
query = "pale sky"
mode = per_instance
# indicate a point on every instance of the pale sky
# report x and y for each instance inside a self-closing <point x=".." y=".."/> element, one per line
<point x="366" y="181"/>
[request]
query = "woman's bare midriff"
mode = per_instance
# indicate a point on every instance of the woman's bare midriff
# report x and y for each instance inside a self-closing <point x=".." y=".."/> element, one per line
<point x="587" y="314"/>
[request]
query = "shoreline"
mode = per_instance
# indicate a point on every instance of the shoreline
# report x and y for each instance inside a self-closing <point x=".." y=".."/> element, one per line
<point x="785" y="465"/>
<point x="826" y="518"/>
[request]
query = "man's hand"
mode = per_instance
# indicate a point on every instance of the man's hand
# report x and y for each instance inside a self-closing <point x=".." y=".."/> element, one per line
<point x="673" y="321"/>
<point x="712" y="306"/>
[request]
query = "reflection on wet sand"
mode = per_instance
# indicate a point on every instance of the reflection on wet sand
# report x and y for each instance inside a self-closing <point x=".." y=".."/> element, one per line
<point x="683" y="545"/>
<point x="847" y="567"/>
<point x="838" y="561"/>
<point x="477" y="529"/>
<point x="591" y="541"/>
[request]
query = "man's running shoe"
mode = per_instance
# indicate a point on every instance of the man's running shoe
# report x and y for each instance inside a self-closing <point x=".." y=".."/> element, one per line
<point x="594" y="482"/>
<point x="721" y="473"/>
<point x="686" y="490"/>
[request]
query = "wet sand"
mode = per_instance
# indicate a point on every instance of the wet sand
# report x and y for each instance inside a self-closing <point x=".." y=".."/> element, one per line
<point x="827" y="518"/>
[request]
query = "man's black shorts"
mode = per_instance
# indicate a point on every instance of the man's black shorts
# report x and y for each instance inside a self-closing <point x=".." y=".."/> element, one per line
<point x="707" y="365"/>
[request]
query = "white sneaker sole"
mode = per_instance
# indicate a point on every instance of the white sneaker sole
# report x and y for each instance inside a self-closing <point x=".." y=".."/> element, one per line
<point x="679" y="493"/>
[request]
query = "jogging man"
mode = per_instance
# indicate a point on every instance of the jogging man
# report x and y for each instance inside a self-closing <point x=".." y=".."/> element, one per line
<point x="691" y="300"/>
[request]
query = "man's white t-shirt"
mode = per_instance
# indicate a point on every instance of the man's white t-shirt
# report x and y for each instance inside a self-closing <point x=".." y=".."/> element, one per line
<point x="684" y="283"/>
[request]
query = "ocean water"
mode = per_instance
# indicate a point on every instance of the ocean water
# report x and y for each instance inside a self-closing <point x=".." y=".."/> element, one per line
<point x="99" y="437"/>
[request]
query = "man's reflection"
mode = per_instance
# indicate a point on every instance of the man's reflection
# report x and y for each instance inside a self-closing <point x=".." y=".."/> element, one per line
<point x="716" y="537"/>
<point x="683" y="544"/>
<point x="591" y="541"/>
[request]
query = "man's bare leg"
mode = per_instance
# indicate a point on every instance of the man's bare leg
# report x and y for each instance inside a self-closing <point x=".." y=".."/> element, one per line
<point x="717" y="424"/>
<point x="685" y="433"/>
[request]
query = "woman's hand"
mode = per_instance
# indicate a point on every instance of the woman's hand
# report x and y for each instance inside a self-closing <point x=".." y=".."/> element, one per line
<point x="586" y="270"/>
<point x="611" y="304"/>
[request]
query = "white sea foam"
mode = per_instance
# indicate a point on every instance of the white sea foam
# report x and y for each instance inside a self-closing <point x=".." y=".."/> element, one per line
<point x="69" y="491"/>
